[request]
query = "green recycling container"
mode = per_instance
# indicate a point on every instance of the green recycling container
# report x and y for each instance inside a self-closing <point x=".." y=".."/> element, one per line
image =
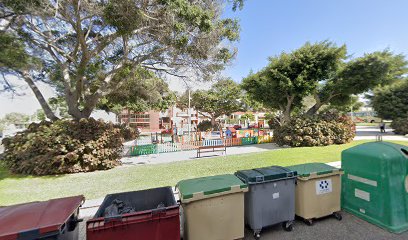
<point x="375" y="184"/>
<point x="213" y="207"/>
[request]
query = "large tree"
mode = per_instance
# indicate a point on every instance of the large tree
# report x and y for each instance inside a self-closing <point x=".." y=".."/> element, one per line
<point x="87" y="49"/>
<point x="358" y="76"/>
<point x="391" y="102"/>
<point x="324" y="71"/>
<point x="223" y="98"/>
<point x="290" y="77"/>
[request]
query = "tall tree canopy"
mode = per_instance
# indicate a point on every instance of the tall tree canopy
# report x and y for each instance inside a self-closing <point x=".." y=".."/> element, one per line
<point x="143" y="91"/>
<point x="357" y="76"/>
<point x="324" y="71"/>
<point x="89" y="49"/>
<point x="290" y="77"/>
<point x="391" y="102"/>
<point x="224" y="97"/>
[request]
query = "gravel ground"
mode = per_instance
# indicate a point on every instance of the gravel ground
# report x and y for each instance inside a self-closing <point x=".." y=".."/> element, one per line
<point x="349" y="228"/>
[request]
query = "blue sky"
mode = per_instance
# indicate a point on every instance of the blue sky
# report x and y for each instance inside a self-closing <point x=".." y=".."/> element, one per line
<point x="269" y="27"/>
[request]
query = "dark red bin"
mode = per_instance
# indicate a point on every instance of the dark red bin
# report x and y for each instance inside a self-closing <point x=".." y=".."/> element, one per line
<point x="147" y="223"/>
<point x="53" y="219"/>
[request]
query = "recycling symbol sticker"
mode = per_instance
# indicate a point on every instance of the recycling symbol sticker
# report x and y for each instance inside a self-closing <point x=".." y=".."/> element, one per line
<point x="323" y="186"/>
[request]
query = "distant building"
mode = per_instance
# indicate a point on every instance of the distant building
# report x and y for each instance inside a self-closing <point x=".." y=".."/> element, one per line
<point x="146" y="121"/>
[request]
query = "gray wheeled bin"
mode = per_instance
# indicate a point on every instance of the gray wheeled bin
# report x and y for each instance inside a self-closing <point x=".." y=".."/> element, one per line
<point x="271" y="197"/>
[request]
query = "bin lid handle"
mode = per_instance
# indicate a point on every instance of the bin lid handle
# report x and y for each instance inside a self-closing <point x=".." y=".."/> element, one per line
<point x="405" y="152"/>
<point x="259" y="178"/>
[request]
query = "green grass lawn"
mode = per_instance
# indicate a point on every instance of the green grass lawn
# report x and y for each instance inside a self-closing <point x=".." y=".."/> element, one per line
<point x="17" y="189"/>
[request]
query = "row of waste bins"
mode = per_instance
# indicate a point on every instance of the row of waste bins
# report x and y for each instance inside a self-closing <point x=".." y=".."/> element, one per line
<point x="375" y="187"/>
<point x="215" y="207"/>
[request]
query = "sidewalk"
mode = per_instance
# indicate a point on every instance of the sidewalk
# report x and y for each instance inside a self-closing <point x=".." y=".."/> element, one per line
<point x="192" y="154"/>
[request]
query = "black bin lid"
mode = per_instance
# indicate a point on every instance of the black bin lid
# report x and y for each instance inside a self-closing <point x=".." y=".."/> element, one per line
<point x="259" y="175"/>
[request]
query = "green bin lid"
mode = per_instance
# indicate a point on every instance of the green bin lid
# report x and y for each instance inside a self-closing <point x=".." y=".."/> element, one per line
<point x="204" y="187"/>
<point x="311" y="169"/>
<point x="259" y="175"/>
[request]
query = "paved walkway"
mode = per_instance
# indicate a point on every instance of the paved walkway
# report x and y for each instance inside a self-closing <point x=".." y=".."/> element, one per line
<point x="192" y="155"/>
<point x="370" y="133"/>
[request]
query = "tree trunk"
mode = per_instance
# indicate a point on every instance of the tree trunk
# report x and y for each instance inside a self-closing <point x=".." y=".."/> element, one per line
<point x="44" y="105"/>
<point x="213" y="121"/>
<point x="73" y="106"/>
<point x="287" y="110"/>
<point x="313" y="110"/>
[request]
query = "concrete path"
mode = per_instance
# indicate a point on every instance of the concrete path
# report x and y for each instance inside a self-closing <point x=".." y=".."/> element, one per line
<point x="192" y="155"/>
<point x="370" y="133"/>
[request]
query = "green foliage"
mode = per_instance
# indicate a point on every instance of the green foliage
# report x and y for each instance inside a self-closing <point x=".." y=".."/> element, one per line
<point x="142" y="91"/>
<point x="324" y="71"/>
<point x="12" y="54"/>
<point x="12" y="118"/>
<point x="65" y="146"/>
<point x="391" y="102"/>
<point x="318" y="130"/>
<point x="224" y="97"/>
<point x="249" y="116"/>
<point x="360" y="75"/>
<point x="345" y="104"/>
<point x="206" y="125"/>
<point x="85" y="47"/>
<point x="400" y="125"/>
<point x="290" y="77"/>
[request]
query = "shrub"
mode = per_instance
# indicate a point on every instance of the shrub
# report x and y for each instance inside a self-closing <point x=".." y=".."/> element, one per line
<point x="320" y="130"/>
<point x="400" y="125"/>
<point x="65" y="146"/>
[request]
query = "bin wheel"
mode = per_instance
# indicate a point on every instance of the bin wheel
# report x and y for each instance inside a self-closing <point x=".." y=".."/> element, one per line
<point x="257" y="235"/>
<point x="288" y="226"/>
<point x="338" y="216"/>
<point x="308" y="222"/>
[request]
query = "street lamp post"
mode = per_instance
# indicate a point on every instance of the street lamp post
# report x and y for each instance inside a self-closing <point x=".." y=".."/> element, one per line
<point x="189" y="112"/>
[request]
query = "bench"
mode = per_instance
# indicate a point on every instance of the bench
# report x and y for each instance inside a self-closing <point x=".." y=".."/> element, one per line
<point x="211" y="146"/>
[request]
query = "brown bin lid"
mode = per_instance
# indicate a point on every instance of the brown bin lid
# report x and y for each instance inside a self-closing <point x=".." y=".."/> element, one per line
<point x="45" y="216"/>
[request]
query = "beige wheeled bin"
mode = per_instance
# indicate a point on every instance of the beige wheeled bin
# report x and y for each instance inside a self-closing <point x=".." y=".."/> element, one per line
<point x="317" y="191"/>
<point x="213" y="207"/>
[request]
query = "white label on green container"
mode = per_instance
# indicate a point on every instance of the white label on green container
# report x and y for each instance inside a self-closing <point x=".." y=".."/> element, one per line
<point x="362" y="210"/>
<point x="275" y="195"/>
<point x="362" y="180"/>
<point x="362" y="194"/>
<point x="406" y="184"/>
<point x="323" y="186"/>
